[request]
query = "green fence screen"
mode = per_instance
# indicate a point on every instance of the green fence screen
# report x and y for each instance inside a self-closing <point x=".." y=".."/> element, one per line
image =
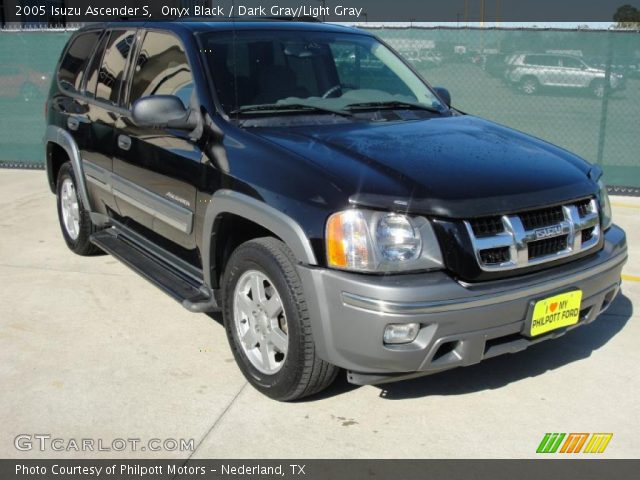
<point x="579" y="89"/>
<point x="27" y="61"/>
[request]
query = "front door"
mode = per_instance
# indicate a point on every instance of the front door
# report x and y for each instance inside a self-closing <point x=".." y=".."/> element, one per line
<point x="154" y="169"/>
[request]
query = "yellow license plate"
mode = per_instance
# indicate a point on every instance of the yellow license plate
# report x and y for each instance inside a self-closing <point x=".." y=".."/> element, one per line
<point x="556" y="312"/>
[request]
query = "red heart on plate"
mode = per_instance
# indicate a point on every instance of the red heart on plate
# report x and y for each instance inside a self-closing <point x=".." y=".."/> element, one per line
<point x="553" y="307"/>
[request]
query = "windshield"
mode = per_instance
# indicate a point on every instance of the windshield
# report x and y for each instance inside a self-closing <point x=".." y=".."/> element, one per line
<point x="319" y="72"/>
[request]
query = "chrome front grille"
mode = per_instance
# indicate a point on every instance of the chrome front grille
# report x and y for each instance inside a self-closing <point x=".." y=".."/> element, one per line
<point x="537" y="236"/>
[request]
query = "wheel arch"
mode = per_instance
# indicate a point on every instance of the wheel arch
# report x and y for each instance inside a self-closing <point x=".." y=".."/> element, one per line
<point x="233" y="217"/>
<point x="59" y="142"/>
<point x="529" y="76"/>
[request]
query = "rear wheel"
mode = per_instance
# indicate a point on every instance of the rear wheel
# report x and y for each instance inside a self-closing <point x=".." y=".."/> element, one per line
<point x="529" y="86"/>
<point x="267" y="322"/>
<point x="75" y="223"/>
<point x="597" y="88"/>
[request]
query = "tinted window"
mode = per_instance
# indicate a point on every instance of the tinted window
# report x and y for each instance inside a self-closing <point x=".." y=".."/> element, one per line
<point x="114" y="61"/>
<point x="541" y="60"/>
<point x="252" y="68"/>
<point x="571" y="62"/>
<point x="161" y="69"/>
<point x="94" y="68"/>
<point x="357" y="67"/>
<point x="75" y="61"/>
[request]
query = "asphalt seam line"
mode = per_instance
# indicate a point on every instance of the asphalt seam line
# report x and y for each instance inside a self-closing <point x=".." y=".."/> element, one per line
<point x="216" y="422"/>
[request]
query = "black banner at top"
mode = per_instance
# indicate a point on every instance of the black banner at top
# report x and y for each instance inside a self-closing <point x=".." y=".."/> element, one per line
<point x="488" y="12"/>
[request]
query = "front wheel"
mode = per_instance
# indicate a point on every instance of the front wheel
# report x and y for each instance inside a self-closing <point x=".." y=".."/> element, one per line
<point x="267" y="322"/>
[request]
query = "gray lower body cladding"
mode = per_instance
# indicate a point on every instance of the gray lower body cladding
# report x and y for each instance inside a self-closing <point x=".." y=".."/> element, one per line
<point x="460" y="324"/>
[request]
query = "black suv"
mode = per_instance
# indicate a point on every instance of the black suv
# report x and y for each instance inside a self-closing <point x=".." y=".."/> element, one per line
<point x="306" y="181"/>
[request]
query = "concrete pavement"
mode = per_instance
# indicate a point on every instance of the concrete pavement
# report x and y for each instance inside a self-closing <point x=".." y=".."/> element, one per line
<point x="89" y="350"/>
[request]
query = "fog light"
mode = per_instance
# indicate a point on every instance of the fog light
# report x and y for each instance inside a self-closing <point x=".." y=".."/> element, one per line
<point x="396" y="333"/>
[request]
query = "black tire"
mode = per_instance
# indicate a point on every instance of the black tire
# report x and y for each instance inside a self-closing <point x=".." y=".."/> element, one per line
<point x="80" y="245"/>
<point x="529" y="85"/>
<point x="302" y="372"/>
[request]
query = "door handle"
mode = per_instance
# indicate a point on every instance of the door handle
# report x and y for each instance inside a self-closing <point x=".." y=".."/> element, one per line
<point x="73" y="123"/>
<point x="124" y="142"/>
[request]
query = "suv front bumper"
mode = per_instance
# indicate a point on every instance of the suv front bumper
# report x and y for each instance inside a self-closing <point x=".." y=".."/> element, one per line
<point x="461" y="324"/>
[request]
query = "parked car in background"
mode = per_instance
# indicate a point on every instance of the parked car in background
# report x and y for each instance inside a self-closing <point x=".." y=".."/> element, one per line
<point x="495" y="65"/>
<point x="21" y="81"/>
<point x="410" y="55"/>
<point x="530" y="72"/>
<point x="428" y="58"/>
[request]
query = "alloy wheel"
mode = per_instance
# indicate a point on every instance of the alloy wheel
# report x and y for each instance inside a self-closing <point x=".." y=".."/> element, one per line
<point x="529" y="87"/>
<point x="260" y="322"/>
<point x="70" y="208"/>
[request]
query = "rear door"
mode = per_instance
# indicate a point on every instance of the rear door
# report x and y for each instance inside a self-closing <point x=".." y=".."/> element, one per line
<point x="156" y="168"/>
<point x="80" y="116"/>
<point x="103" y="85"/>
<point x="554" y="74"/>
<point x="574" y="73"/>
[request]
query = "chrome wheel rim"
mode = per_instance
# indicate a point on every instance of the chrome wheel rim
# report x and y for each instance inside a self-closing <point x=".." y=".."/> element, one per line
<point x="260" y="322"/>
<point x="70" y="208"/>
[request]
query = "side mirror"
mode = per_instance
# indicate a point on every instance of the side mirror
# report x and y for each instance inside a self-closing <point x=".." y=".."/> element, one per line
<point x="444" y="95"/>
<point x="163" y="111"/>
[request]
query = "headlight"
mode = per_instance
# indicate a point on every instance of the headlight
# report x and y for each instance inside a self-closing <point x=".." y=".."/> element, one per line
<point x="605" y="206"/>
<point x="396" y="238"/>
<point x="368" y="241"/>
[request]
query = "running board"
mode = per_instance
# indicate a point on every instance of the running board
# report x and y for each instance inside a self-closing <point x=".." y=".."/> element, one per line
<point x="186" y="290"/>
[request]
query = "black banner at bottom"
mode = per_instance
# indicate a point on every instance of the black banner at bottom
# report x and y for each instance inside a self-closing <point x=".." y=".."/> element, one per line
<point x="583" y="469"/>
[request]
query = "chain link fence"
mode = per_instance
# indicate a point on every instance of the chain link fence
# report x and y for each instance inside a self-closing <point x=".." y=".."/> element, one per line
<point x="578" y="89"/>
<point x="27" y="61"/>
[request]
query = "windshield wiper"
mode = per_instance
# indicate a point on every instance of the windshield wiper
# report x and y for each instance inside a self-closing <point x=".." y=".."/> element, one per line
<point x="292" y="107"/>
<point x="390" y="105"/>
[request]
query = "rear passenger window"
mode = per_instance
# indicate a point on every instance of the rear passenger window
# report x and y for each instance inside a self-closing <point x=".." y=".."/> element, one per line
<point x="114" y="62"/>
<point x="94" y="68"/>
<point x="541" y="60"/>
<point x="75" y="61"/>
<point x="569" y="62"/>
<point x="161" y="69"/>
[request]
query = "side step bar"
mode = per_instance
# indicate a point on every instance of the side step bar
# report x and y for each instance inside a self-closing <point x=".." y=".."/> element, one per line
<point x="193" y="296"/>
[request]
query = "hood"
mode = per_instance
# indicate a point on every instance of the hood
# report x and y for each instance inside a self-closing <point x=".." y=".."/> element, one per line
<point x="459" y="166"/>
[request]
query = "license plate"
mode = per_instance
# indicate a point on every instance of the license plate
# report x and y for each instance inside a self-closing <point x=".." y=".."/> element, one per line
<point x="556" y="312"/>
